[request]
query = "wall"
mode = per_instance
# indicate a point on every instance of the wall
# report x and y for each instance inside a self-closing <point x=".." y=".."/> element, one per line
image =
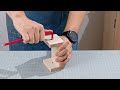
<point x="3" y="31"/>
<point x="93" y="33"/>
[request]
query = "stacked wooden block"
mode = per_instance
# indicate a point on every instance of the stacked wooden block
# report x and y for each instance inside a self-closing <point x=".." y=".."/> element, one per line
<point x="53" y="42"/>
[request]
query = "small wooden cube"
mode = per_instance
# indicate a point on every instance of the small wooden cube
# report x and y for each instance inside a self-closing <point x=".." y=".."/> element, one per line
<point x="52" y="65"/>
<point x="55" y="41"/>
<point x="53" y="51"/>
<point x="48" y="37"/>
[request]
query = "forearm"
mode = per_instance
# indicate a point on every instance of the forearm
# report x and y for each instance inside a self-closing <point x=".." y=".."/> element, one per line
<point x="74" y="21"/>
<point x="16" y="14"/>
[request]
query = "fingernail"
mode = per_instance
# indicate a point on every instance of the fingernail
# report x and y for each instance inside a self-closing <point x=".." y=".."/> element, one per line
<point x="56" y="54"/>
<point x="59" y="45"/>
<point x="56" y="60"/>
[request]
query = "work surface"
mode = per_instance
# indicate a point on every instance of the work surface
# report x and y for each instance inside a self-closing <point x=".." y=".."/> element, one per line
<point x="83" y="65"/>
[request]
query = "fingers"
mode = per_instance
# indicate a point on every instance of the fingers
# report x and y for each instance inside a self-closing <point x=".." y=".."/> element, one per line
<point x="37" y="36"/>
<point x="62" y="53"/>
<point x="39" y="33"/>
<point x="61" y="59"/>
<point x="31" y="31"/>
<point x="42" y="33"/>
<point x="65" y="61"/>
<point x="25" y="37"/>
<point x="70" y="49"/>
<point x="67" y="56"/>
<point x="33" y="35"/>
<point x="62" y="47"/>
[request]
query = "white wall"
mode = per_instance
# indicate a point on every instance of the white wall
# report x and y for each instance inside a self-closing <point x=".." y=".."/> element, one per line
<point x="3" y="31"/>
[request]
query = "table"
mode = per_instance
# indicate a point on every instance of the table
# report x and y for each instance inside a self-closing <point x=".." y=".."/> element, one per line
<point x="92" y="64"/>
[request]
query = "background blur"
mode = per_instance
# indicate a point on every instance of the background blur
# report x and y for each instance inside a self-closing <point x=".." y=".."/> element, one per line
<point x="90" y="35"/>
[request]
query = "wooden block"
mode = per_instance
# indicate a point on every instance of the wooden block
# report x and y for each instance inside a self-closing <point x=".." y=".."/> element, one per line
<point x="54" y="50"/>
<point x="51" y="65"/>
<point x="55" y="41"/>
<point x="48" y="37"/>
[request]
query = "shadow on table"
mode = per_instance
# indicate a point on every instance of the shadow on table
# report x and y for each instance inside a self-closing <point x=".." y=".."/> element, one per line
<point x="34" y="67"/>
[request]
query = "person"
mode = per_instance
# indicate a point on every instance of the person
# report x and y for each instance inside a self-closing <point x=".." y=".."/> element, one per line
<point x="31" y="25"/>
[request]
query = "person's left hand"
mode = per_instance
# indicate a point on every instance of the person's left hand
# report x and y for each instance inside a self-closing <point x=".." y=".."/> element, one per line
<point x="64" y="52"/>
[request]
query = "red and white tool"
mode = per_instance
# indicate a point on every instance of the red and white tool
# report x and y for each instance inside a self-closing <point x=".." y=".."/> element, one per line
<point x="48" y="35"/>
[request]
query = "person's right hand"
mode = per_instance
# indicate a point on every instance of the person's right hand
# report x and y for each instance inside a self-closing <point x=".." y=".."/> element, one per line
<point x="31" y="31"/>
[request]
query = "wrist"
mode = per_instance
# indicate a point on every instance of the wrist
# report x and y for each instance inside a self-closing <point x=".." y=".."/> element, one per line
<point x="66" y="38"/>
<point x="71" y="29"/>
<point x="71" y="35"/>
<point x="18" y="17"/>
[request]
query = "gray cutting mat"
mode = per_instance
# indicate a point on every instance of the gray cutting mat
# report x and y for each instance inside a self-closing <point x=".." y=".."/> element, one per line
<point x="83" y="64"/>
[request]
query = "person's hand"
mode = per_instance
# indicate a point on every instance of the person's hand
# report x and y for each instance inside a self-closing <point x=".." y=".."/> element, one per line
<point x="64" y="52"/>
<point x="31" y="31"/>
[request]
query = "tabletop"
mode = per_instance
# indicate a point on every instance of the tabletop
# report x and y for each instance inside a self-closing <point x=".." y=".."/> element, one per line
<point x="92" y="64"/>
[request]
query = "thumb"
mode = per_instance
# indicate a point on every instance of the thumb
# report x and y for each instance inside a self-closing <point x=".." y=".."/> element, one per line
<point x="25" y="37"/>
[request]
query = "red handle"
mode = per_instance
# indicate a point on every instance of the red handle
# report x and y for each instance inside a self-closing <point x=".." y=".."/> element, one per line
<point x="49" y="32"/>
<point x="13" y="42"/>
